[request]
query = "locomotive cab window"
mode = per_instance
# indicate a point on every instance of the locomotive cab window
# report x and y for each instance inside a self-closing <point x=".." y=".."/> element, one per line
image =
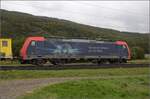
<point x="124" y="46"/>
<point x="121" y="46"/>
<point x="4" y="43"/>
<point x="33" y="43"/>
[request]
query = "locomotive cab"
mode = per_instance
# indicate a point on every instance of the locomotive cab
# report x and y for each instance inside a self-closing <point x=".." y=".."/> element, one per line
<point x="29" y="46"/>
<point x="123" y="49"/>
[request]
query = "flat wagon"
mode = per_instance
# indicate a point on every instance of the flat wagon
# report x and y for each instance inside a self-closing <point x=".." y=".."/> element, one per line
<point x="5" y="48"/>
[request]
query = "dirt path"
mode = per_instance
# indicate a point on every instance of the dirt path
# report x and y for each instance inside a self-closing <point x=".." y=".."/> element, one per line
<point x="14" y="88"/>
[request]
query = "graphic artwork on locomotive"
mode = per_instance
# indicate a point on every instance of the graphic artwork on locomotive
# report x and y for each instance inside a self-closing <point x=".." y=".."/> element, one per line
<point x="39" y="50"/>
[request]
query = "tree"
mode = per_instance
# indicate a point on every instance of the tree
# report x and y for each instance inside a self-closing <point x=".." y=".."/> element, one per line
<point x="137" y="53"/>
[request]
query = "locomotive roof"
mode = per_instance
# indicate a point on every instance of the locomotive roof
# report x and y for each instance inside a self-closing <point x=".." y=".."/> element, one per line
<point x="80" y="40"/>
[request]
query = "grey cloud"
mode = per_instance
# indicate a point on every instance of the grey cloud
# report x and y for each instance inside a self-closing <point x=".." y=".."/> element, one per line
<point x="130" y="16"/>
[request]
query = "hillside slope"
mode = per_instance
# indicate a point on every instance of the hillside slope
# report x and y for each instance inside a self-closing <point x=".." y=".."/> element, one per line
<point x="18" y="26"/>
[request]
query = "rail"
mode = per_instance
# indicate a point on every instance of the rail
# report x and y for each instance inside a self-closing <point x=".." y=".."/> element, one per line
<point x="72" y="66"/>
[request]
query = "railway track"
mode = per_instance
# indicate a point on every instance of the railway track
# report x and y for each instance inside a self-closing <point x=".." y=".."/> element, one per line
<point x="72" y="66"/>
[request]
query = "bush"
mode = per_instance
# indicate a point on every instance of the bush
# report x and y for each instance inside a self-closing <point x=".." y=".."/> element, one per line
<point x="137" y="53"/>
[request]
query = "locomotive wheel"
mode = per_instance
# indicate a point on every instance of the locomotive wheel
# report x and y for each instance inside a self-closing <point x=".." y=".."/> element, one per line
<point x="53" y="62"/>
<point x="38" y="62"/>
<point x="58" y="62"/>
<point x="124" y="61"/>
<point x="102" y="61"/>
<point x="111" y="62"/>
<point x="22" y="61"/>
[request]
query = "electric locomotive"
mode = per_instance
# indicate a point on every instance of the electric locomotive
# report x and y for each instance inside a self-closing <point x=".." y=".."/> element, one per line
<point x="40" y="50"/>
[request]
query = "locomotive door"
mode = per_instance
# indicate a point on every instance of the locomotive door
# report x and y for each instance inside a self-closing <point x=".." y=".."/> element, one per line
<point x="33" y="47"/>
<point x="120" y="51"/>
<point x="124" y="51"/>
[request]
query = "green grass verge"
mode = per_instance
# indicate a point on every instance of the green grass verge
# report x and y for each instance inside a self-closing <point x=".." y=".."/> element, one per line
<point x="140" y="61"/>
<point x="122" y="88"/>
<point x="9" y="62"/>
<point x="26" y="74"/>
<point x="12" y="63"/>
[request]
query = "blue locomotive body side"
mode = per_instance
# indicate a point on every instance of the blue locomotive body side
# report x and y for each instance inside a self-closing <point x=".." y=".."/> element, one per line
<point x="76" y="49"/>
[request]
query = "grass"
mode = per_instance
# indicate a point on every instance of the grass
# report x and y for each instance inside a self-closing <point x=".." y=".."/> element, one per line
<point x="140" y="61"/>
<point x="123" y="88"/>
<point x="9" y="62"/>
<point x="28" y="74"/>
<point x="12" y="63"/>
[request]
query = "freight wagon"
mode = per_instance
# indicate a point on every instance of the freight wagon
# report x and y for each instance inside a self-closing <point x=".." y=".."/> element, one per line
<point x="39" y="50"/>
<point x="5" y="49"/>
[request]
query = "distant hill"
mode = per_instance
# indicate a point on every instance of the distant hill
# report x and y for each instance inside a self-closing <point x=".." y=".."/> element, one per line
<point x="18" y="26"/>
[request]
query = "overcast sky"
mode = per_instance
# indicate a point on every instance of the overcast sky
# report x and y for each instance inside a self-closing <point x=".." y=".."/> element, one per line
<point x="131" y="16"/>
